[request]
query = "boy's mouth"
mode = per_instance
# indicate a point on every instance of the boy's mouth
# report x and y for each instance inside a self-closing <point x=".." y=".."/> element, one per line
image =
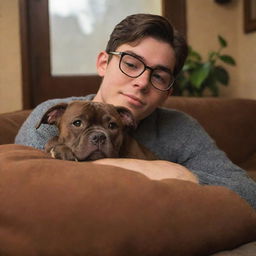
<point x="134" y="100"/>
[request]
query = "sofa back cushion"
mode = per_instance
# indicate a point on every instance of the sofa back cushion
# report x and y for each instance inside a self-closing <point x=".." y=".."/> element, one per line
<point x="10" y="124"/>
<point x="230" y="122"/>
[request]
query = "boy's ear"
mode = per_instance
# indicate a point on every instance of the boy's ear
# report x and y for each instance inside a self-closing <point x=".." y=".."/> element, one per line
<point x="170" y="92"/>
<point x="102" y="62"/>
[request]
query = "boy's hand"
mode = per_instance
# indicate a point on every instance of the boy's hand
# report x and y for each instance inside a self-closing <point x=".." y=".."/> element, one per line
<point x="153" y="169"/>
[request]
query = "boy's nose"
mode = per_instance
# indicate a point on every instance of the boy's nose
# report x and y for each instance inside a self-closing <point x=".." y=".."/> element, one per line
<point x="143" y="81"/>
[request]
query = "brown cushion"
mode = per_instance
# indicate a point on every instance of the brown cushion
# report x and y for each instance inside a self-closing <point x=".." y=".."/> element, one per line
<point x="56" y="207"/>
<point x="10" y="124"/>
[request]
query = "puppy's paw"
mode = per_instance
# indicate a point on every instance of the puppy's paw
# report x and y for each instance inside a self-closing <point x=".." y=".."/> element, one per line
<point x="62" y="152"/>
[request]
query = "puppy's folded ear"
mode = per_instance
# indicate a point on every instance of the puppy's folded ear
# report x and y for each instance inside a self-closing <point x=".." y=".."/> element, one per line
<point x="127" y="117"/>
<point x="53" y="114"/>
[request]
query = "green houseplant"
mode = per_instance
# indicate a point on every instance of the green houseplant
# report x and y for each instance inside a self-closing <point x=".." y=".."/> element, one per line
<point x="197" y="75"/>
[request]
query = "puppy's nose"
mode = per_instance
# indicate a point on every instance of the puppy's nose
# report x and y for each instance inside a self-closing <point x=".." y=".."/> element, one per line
<point x="98" y="138"/>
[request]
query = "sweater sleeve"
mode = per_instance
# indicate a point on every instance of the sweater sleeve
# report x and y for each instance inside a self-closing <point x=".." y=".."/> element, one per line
<point x="212" y="166"/>
<point x="28" y="135"/>
<point x="174" y="136"/>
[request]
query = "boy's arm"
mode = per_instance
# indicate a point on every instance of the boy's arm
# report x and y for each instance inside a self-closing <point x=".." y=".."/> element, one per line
<point x="213" y="167"/>
<point x="179" y="138"/>
<point x="153" y="169"/>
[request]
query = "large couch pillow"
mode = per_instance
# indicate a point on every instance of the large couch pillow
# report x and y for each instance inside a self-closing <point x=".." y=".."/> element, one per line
<point x="56" y="207"/>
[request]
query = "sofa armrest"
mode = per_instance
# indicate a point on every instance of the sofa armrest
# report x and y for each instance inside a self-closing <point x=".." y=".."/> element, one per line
<point x="10" y="124"/>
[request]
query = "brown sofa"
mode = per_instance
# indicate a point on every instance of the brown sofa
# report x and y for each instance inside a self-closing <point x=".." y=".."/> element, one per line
<point x="54" y="207"/>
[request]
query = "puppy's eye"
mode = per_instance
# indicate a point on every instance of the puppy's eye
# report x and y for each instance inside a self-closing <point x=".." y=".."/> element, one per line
<point x="112" y="125"/>
<point x="77" y="123"/>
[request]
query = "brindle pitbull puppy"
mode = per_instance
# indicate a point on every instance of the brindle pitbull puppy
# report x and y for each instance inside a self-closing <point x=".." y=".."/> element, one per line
<point x="92" y="130"/>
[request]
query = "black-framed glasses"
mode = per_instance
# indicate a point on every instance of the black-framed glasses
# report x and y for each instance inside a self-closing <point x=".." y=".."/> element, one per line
<point x="160" y="77"/>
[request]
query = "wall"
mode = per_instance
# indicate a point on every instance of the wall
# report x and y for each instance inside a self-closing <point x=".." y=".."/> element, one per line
<point x="226" y="20"/>
<point x="203" y="28"/>
<point x="247" y="67"/>
<point x="10" y="68"/>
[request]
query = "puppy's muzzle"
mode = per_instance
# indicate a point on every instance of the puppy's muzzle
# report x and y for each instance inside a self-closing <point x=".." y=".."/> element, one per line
<point x="98" y="138"/>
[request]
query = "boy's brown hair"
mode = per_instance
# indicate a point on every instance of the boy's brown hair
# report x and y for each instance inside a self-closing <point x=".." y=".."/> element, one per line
<point x="138" y="26"/>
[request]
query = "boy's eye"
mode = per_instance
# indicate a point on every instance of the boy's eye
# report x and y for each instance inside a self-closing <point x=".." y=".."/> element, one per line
<point x="130" y="65"/>
<point x="112" y="125"/>
<point x="77" y="123"/>
<point x="158" y="77"/>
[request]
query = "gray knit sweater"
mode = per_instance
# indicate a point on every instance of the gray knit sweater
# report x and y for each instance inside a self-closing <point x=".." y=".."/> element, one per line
<point x="172" y="136"/>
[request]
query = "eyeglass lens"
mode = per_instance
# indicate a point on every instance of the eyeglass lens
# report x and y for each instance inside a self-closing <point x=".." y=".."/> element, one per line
<point x="134" y="67"/>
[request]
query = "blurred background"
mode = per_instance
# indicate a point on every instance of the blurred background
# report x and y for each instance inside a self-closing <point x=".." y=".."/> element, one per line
<point x="48" y="48"/>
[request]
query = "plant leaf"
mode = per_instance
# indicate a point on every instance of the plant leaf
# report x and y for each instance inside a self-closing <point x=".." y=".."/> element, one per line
<point x="222" y="41"/>
<point x="197" y="75"/>
<point x="190" y="65"/>
<point x="212" y="55"/>
<point x="200" y="74"/>
<point x="228" y="59"/>
<point x="222" y="75"/>
<point x="193" y="55"/>
<point x="186" y="67"/>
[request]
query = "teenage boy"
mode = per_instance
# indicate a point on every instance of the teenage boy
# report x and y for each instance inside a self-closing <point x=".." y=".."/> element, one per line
<point x="142" y="58"/>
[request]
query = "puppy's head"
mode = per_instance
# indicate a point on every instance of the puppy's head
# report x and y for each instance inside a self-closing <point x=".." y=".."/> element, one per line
<point x="92" y="130"/>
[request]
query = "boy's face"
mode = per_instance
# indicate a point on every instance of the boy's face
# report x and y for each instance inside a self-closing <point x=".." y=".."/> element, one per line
<point x="137" y="94"/>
